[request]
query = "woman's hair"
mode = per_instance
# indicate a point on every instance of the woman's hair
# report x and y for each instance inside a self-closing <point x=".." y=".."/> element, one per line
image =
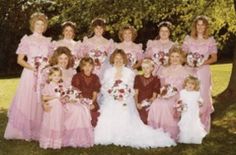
<point x="36" y="17"/>
<point x="68" y="24"/>
<point x="59" y="51"/>
<point x="194" y="81"/>
<point x="179" y="50"/>
<point x="98" y="22"/>
<point x="52" y="70"/>
<point x="166" y="24"/>
<point x="194" y="27"/>
<point x="119" y="52"/>
<point x="86" y="60"/>
<point x="147" y="62"/>
<point x="130" y="28"/>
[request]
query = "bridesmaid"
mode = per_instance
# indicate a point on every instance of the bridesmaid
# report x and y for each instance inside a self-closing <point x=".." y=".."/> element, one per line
<point x="68" y="33"/>
<point x="161" y="113"/>
<point x="97" y="47"/>
<point x="24" y="116"/>
<point x="78" y="131"/>
<point x="134" y="52"/>
<point x="199" y="41"/>
<point x="160" y="46"/>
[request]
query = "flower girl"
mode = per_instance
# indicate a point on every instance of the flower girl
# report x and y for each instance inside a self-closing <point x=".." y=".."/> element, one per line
<point x="191" y="128"/>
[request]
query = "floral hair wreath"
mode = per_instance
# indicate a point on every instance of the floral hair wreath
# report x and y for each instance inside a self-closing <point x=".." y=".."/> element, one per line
<point x="38" y="14"/>
<point x="203" y="17"/>
<point x="68" y="22"/>
<point x="164" y="22"/>
<point x="102" y="19"/>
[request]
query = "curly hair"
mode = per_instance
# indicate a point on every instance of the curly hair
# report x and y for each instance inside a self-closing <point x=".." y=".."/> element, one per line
<point x="119" y="52"/>
<point x="36" y="17"/>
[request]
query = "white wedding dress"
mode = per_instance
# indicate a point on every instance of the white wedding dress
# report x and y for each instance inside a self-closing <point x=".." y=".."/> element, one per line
<point x="119" y="122"/>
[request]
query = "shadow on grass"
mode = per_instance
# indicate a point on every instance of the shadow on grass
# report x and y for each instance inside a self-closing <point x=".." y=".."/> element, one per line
<point x="219" y="141"/>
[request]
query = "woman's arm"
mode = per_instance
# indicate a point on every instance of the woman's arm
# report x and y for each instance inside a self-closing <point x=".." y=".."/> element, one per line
<point x="211" y="60"/>
<point x="23" y="63"/>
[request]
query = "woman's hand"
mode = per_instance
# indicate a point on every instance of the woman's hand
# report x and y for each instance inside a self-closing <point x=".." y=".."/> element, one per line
<point x="139" y="106"/>
<point x="46" y="107"/>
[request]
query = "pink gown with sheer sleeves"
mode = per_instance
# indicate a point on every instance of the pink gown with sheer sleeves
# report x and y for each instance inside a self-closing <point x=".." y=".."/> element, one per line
<point x="51" y="132"/>
<point x="99" y="52"/>
<point x="133" y="51"/>
<point x="162" y="111"/>
<point x="25" y="113"/>
<point x="78" y="130"/>
<point x="206" y="47"/>
<point x="152" y="50"/>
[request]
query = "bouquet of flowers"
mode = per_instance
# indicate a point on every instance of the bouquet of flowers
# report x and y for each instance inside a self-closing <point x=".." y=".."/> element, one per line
<point x="195" y="59"/>
<point x="168" y="91"/>
<point x="86" y="101"/>
<point x="119" y="90"/>
<point x="180" y="107"/>
<point x="161" y="58"/>
<point x="98" y="57"/>
<point x="67" y="95"/>
<point x="146" y="104"/>
<point x="40" y="62"/>
<point x="132" y="59"/>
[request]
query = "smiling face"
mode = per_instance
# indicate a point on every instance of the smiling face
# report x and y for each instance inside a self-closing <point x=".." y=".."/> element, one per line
<point x="68" y="32"/>
<point x="175" y="58"/>
<point x="147" y="69"/>
<point x="118" y="60"/>
<point x="190" y="86"/>
<point x="39" y="26"/>
<point x="127" y="35"/>
<point x="98" y="31"/>
<point x="56" y="76"/>
<point x="200" y="27"/>
<point x="87" y="68"/>
<point x="63" y="61"/>
<point x="164" y="33"/>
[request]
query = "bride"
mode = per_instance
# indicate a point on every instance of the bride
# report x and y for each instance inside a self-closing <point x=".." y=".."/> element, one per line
<point x="119" y="122"/>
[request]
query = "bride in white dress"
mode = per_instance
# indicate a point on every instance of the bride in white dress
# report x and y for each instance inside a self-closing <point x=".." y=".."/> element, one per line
<point x="119" y="122"/>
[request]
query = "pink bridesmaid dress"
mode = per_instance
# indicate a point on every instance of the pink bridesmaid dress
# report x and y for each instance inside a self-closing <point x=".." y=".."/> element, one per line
<point x="162" y="111"/>
<point x="25" y="113"/>
<point x="99" y="52"/>
<point x="78" y="130"/>
<point x="133" y="51"/>
<point x="152" y="50"/>
<point x="206" y="48"/>
<point x="52" y="123"/>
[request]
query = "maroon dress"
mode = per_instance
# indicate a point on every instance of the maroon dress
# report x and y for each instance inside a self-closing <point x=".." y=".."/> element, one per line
<point x="146" y="88"/>
<point x="87" y="85"/>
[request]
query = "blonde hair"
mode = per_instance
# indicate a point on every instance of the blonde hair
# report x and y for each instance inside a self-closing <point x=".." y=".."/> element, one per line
<point x="179" y="50"/>
<point x="194" y="27"/>
<point x="130" y="28"/>
<point x="119" y="52"/>
<point x="194" y="80"/>
<point x="147" y="62"/>
<point x="36" y="17"/>
<point x="53" y="70"/>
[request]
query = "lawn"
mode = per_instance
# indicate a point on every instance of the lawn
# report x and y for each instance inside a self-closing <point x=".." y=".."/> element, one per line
<point x="221" y="140"/>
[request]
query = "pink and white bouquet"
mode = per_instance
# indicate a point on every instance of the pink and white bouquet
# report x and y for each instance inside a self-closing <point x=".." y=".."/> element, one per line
<point x="160" y="58"/>
<point x="195" y="59"/>
<point x="119" y="91"/>
<point x="40" y="62"/>
<point x="97" y="56"/>
<point x="146" y="104"/>
<point x="67" y="95"/>
<point x="168" y="91"/>
<point x="180" y="107"/>
<point x="131" y="58"/>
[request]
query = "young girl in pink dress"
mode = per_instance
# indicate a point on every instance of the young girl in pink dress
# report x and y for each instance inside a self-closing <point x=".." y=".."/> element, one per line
<point x="52" y="124"/>
<point x="98" y="47"/>
<point x="89" y="85"/>
<point x="191" y="128"/>
<point x="146" y="88"/>
<point x="77" y="131"/>
<point x="25" y="113"/>
<point x="127" y="35"/>
<point x="200" y="43"/>
<point x="161" y="113"/>
<point x="68" y="32"/>
<point x="158" y="49"/>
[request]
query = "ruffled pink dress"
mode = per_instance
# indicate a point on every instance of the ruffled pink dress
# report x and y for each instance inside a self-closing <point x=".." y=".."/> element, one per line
<point x="52" y="124"/>
<point x="78" y="130"/>
<point x="206" y="48"/>
<point x="25" y="113"/>
<point x="152" y="50"/>
<point x="133" y="51"/>
<point x="99" y="51"/>
<point x="162" y="111"/>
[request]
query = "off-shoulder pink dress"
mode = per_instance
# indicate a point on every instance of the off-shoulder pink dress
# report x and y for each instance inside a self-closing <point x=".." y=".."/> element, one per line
<point x="206" y="47"/>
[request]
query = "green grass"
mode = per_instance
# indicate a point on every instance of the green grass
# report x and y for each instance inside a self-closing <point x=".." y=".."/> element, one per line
<point x="221" y="140"/>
